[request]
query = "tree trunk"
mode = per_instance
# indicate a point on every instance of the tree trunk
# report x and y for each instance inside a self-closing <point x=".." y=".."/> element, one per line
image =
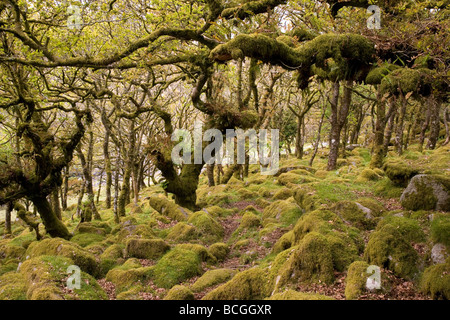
<point x="55" y="203"/>
<point x="108" y="182"/>
<point x="9" y="207"/>
<point x="210" y="174"/>
<point x="299" y="139"/>
<point x="424" y="127"/>
<point x="65" y="188"/>
<point x="400" y="125"/>
<point x="388" y="134"/>
<point x="116" y="190"/>
<point x="316" y="145"/>
<point x="338" y="119"/>
<point x="53" y="225"/>
<point x="434" y="122"/>
<point x="124" y="196"/>
<point x="447" y="127"/>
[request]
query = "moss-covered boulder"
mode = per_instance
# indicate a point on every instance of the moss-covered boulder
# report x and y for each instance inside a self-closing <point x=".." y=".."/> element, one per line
<point x="306" y="199"/>
<point x="45" y="279"/>
<point x="128" y="275"/>
<point x="409" y="228"/>
<point x="175" y="266"/>
<point x="251" y="284"/>
<point x="87" y="239"/>
<point x="283" y="194"/>
<point x="427" y="192"/>
<point x="295" y="295"/>
<point x="355" y="282"/>
<point x="10" y="251"/>
<point x="308" y="262"/>
<point x="95" y="227"/>
<point x="179" y="293"/>
<point x="13" y="287"/>
<point x="356" y="214"/>
<point x="399" y="172"/>
<point x="60" y="247"/>
<point x="211" y="230"/>
<point x="200" y="250"/>
<point x="387" y="248"/>
<point x="183" y="232"/>
<point x="436" y="281"/>
<point x="250" y="220"/>
<point x="285" y="211"/>
<point x="440" y="229"/>
<point x="146" y="248"/>
<point x="168" y="208"/>
<point x="368" y="175"/>
<point x="219" y="250"/>
<point x="293" y="178"/>
<point x="212" y="278"/>
<point x="129" y="228"/>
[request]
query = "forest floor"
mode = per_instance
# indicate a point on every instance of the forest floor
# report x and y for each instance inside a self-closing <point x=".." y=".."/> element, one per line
<point x="297" y="235"/>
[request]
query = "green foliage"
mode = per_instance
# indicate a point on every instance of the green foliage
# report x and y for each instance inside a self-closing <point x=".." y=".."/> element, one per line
<point x="436" y="281"/>
<point x="179" y="293"/>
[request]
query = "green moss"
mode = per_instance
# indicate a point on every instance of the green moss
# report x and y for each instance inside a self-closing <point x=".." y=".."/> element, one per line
<point x="399" y="172"/>
<point x="293" y="178"/>
<point x="146" y="248"/>
<point x="310" y="261"/>
<point x="211" y="230"/>
<point x="124" y="277"/>
<point x="436" y="281"/>
<point x="358" y="215"/>
<point x="284" y="242"/>
<point x="11" y="251"/>
<point x="376" y="75"/>
<point x="368" y="175"/>
<point x="200" y="250"/>
<point x="386" y="188"/>
<point x="408" y="228"/>
<point x="179" y="293"/>
<point x="217" y="211"/>
<point x="250" y="220"/>
<point x="45" y="277"/>
<point x="60" y="247"/>
<point x="113" y="252"/>
<point x="95" y="227"/>
<point x="212" y="278"/>
<point x="250" y="284"/>
<point x="306" y="199"/>
<point x="8" y="267"/>
<point x="283" y="194"/>
<point x="86" y="239"/>
<point x="377" y="208"/>
<point x="133" y="293"/>
<point x="387" y="248"/>
<point x="130" y="229"/>
<point x="219" y="250"/>
<point x="355" y="282"/>
<point x="245" y="194"/>
<point x="295" y="295"/>
<point x="168" y="208"/>
<point x="440" y="230"/>
<point x="13" y="287"/>
<point x="285" y="211"/>
<point x="175" y="266"/>
<point x="427" y="192"/>
<point x="182" y="232"/>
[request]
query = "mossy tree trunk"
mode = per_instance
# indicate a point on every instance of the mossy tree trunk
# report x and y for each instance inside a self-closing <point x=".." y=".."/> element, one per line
<point x="210" y="174"/>
<point x="316" y="143"/>
<point x="400" y="125"/>
<point x="435" y="107"/>
<point x="338" y="118"/>
<point x="53" y="225"/>
<point x="108" y="171"/>
<point x="124" y="196"/>
<point x="55" y="203"/>
<point x="9" y="207"/>
<point x="65" y="188"/>
<point x="424" y="127"/>
<point x="447" y="126"/>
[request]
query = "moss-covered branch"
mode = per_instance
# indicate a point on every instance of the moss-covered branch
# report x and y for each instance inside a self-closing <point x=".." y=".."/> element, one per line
<point x="331" y="56"/>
